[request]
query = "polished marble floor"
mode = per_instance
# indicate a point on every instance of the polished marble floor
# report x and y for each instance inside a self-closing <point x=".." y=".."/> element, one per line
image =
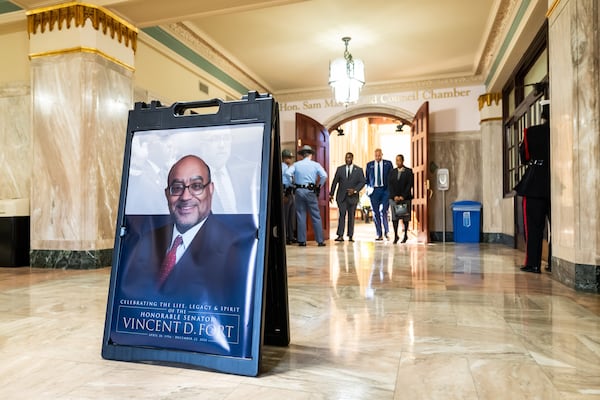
<point x="369" y="320"/>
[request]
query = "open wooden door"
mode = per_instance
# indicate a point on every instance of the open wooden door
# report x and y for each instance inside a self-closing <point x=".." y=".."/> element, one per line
<point x="312" y="133"/>
<point x="418" y="143"/>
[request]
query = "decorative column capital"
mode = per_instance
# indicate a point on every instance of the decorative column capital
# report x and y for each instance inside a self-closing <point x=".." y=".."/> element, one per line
<point x="487" y="99"/>
<point x="490" y="107"/>
<point x="80" y="27"/>
<point x="77" y="14"/>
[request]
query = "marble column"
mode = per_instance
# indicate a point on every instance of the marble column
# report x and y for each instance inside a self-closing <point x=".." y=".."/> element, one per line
<point x="490" y="110"/>
<point x="82" y="88"/>
<point x="574" y="50"/>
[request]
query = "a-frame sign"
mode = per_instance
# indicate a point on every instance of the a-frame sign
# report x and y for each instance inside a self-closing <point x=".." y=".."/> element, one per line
<point x="199" y="273"/>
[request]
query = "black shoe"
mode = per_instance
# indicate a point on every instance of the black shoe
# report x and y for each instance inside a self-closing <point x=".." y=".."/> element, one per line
<point x="302" y="244"/>
<point x="379" y="238"/>
<point x="339" y="239"/>
<point x="321" y="244"/>
<point x="396" y="238"/>
<point x="350" y="239"/>
<point x="528" y="268"/>
<point x="386" y="237"/>
<point x="404" y="239"/>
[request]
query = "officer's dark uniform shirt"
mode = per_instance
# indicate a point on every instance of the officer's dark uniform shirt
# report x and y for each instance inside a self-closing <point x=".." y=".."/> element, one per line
<point x="535" y="152"/>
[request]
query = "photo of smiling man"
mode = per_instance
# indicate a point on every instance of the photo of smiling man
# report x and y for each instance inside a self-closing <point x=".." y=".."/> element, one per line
<point x="185" y="283"/>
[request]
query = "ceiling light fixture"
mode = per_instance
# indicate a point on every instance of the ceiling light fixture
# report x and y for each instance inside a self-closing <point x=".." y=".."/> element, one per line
<point x="400" y="126"/>
<point x="340" y="131"/>
<point x="346" y="77"/>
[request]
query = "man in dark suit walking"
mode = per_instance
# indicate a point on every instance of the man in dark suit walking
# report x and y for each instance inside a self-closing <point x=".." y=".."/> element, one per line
<point x="377" y="188"/>
<point x="535" y="189"/>
<point x="351" y="180"/>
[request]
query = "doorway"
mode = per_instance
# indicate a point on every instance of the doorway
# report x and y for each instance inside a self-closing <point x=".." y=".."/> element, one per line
<point x="309" y="130"/>
<point x="361" y="136"/>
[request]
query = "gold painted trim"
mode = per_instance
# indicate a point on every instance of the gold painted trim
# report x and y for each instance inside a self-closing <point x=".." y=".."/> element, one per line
<point x="552" y="8"/>
<point x="78" y="13"/>
<point x="490" y="119"/>
<point x="82" y="50"/>
<point x="487" y="98"/>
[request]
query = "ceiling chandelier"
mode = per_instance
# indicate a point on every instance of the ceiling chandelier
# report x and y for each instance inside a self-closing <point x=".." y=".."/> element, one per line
<point x="346" y="77"/>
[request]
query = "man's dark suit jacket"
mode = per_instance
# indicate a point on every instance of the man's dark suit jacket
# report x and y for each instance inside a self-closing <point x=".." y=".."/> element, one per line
<point x="355" y="181"/>
<point x="214" y="263"/>
<point x="370" y="172"/>
<point x="216" y="270"/>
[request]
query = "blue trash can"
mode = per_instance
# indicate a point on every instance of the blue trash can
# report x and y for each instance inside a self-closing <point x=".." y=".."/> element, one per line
<point x="466" y="220"/>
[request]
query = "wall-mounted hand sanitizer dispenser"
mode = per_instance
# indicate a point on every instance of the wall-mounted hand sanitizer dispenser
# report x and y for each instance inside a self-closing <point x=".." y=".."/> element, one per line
<point x="443" y="179"/>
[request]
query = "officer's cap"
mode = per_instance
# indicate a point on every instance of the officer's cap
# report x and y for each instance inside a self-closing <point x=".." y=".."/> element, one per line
<point x="286" y="154"/>
<point x="306" y="149"/>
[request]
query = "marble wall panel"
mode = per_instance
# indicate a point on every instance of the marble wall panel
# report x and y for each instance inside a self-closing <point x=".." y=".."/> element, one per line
<point x="574" y="82"/>
<point x="586" y="41"/>
<point x="460" y="153"/>
<point x="508" y="216"/>
<point x="15" y="141"/>
<point x="81" y="103"/>
<point x="561" y="136"/>
<point x="492" y="164"/>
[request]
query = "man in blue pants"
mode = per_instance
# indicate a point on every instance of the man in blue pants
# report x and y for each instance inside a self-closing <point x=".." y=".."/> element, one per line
<point x="377" y="187"/>
<point x="308" y="176"/>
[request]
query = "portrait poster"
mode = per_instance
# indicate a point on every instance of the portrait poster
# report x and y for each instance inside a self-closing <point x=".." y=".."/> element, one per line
<point x="186" y="284"/>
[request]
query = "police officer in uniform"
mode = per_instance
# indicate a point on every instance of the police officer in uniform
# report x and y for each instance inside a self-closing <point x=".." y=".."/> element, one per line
<point x="535" y="189"/>
<point x="289" y="204"/>
<point x="308" y="176"/>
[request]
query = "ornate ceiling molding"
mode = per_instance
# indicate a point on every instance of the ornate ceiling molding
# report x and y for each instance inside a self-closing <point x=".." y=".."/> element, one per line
<point x="499" y="27"/>
<point x="213" y="55"/>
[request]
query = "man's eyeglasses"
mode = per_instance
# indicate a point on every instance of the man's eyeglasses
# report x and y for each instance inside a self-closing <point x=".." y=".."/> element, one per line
<point x="195" y="188"/>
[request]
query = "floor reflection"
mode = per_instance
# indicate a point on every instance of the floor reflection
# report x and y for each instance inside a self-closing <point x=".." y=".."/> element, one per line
<point x="368" y="320"/>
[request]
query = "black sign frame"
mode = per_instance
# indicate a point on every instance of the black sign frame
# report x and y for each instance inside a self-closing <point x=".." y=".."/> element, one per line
<point x="268" y="312"/>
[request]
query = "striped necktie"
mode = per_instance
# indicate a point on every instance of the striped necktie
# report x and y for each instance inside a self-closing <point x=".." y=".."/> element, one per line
<point x="169" y="262"/>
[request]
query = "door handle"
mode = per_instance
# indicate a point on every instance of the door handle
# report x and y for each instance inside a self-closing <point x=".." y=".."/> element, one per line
<point x="429" y="191"/>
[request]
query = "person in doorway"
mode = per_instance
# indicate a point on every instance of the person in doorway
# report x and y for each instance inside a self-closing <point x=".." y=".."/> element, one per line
<point x="308" y="177"/>
<point x="231" y="175"/>
<point x="289" y="204"/>
<point x="349" y="179"/>
<point x="534" y="151"/>
<point x="377" y="172"/>
<point x="400" y="186"/>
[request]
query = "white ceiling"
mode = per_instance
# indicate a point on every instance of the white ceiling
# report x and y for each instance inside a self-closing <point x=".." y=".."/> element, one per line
<point x="286" y="45"/>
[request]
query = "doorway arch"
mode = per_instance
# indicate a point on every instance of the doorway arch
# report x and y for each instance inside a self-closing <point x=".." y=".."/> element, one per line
<point x="367" y="111"/>
<point x="360" y="111"/>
